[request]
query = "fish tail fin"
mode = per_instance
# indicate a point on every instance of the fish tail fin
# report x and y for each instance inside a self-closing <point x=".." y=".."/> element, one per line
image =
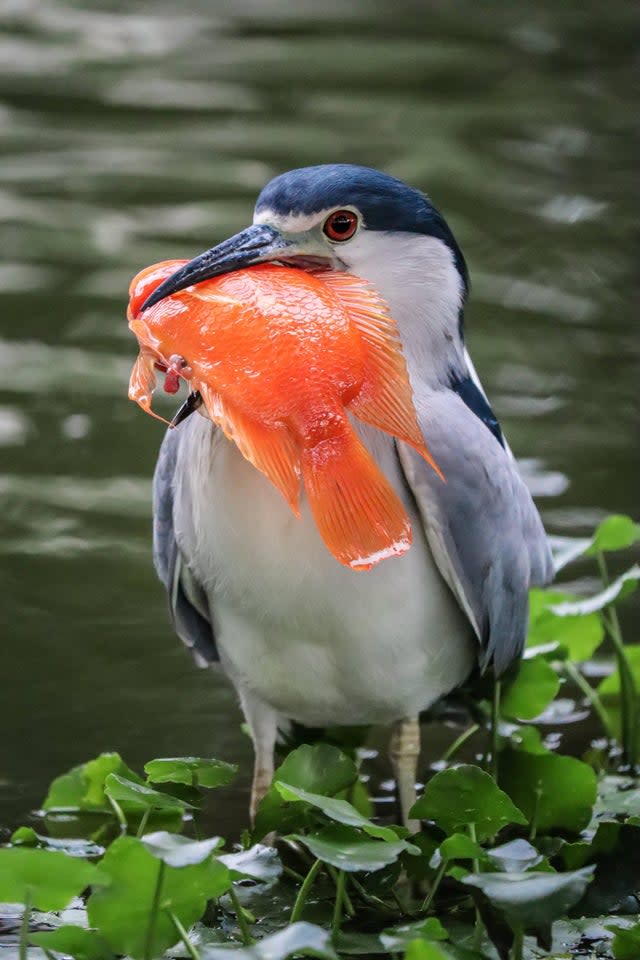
<point x="386" y="399"/>
<point x="271" y="450"/>
<point x="357" y="512"/>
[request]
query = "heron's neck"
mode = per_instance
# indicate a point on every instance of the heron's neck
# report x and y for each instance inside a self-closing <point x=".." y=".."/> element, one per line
<point x="418" y="278"/>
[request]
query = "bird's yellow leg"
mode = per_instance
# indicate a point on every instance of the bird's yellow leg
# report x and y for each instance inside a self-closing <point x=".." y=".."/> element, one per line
<point x="262" y="723"/>
<point x="404" y="750"/>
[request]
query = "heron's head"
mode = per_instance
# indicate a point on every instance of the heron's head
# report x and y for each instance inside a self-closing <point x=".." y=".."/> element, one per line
<point x="353" y="218"/>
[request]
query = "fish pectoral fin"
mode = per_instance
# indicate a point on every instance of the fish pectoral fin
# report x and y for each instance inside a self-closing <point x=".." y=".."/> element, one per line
<point x="142" y="383"/>
<point x="272" y="450"/>
<point x="357" y="512"/>
<point x="385" y="400"/>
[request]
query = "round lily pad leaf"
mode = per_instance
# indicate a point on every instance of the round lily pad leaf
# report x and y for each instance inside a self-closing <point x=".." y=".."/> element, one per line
<point x="192" y="771"/>
<point x="122" y="912"/>
<point x="300" y="940"/>
<point x="465" y="794"/>
<point x="177" y="851"/>
<point x="534" y="687"/>
<point x="532" y="900"/>
<point x="137" y="796"/>
<point x="258" y="862"/>
<point x="348" y="849"/>
<point x="82" y="788"/>
<point x="614" y="533"/>
<point x="318" y="768"/>
<point x="339" y="810"/>
<point x="554" y="791"/>
<point x="516" y="856"/>
<point x="73" y="941"/>
<point x="394" y="938"/>
<point x="46" y="879"/>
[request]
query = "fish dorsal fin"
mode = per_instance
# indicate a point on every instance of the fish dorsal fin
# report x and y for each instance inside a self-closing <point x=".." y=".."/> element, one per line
<point x="385" y="400"/>
<point x="272" y="450"/>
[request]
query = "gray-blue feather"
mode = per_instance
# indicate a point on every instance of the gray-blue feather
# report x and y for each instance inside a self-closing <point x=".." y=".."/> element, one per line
<point x="187" y="600"/>
<point x="482" y="526"/>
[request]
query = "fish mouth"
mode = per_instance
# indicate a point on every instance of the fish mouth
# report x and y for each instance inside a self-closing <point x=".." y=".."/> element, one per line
<point x="259" y="243"/>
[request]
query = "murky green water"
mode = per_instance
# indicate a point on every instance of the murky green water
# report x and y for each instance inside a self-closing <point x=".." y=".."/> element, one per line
<point x="137" y="131"/>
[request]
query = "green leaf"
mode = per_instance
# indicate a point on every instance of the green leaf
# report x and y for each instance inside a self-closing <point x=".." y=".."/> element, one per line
<point x="299" y="939"/>
<point x="137" y="796"/>
<point x="578" y="635"/>
<point x="534" y="687"/>
<point x="394" y="938"/>
<point x="27" y="837"/>
<point x="533" y="900"/>
<point x="466" y="794"/>
<point x="46" y="879"/>
<point x="74" y="941"/>
<point x="626" y="942"/>
<point x="82" y="787"/>
<point x="625" y="584"/>
<point x="614" y="533"/>
<point x="339" y="810"/>
<point x="347" y="849"/>
<point x="458" y="846"/>
<point x="554" y="791"/>
<point x="318" y="768"/>
<point x="177" y="851"/>
<point x="121" y="911"/>
<point x="192" y="771"/>
<point x="516" y="856"/>
<point x="426" y="950"/>
<point x="258" y="862"/>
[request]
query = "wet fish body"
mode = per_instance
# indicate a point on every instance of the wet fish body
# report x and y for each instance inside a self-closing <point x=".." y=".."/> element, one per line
<point x="281" y="358"/>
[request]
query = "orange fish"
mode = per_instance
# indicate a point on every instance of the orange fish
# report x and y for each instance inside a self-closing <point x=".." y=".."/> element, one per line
<point x="281" y="356"/>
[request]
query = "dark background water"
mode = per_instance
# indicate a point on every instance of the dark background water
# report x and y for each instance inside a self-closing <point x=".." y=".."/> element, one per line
<point x="136" y="131"/>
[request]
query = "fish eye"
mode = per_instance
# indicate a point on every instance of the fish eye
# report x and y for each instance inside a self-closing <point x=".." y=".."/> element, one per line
<point x="340" y="225"/>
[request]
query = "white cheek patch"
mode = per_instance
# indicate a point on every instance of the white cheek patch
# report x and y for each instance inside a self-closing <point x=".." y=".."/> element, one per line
<point x="291" y="222"/>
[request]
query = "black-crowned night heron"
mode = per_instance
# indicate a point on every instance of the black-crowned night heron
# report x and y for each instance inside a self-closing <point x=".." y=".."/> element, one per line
<point x="300" y="636"/>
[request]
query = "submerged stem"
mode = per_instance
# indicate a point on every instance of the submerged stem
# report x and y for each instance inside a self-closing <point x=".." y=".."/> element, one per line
<point x="590" y="693"/>
<point x="24" y="926"/>
<point x="245" y="933"/>
<point x="460" y="741"/>
<point x="184" y="936"/>
<point x="304" y="891"/>
<point x="155" y="906"/>
<point x="495" y="717"/>
<point x="337" y="910"/>
<point x="628" y="692"/>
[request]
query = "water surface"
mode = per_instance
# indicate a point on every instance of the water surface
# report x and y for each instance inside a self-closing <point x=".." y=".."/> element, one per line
<point x="137" y="131"/>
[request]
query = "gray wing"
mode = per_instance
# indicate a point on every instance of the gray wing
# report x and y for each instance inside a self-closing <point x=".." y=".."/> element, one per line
<point x="188" y="605"/>
<point x="483" y="528"/>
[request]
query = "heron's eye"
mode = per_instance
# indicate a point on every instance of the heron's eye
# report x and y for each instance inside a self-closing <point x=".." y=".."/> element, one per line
<point x="340" y="225"/>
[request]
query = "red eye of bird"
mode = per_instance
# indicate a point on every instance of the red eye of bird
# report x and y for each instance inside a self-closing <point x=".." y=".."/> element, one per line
<point x="340" y="225"/>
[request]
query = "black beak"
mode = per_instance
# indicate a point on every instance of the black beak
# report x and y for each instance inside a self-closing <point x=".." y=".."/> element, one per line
<point x="191" y="404"/>
<point x="256" y="244"/>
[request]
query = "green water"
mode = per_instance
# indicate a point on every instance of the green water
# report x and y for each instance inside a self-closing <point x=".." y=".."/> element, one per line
<point x="137" y="131"/>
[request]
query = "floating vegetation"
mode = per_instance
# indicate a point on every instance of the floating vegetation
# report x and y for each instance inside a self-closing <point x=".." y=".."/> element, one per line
<point x="526" y="853"/>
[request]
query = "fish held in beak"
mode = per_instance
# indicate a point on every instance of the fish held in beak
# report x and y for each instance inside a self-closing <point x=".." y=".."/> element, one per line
<point x="279" y="358"/>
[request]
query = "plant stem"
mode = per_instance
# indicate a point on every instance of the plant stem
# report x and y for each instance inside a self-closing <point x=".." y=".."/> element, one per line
<point x="518" y="942"/>
<point x="478" y="926"/>
<point x="24" y="925"/>
<point x="495" y="717"/>
<point x="534" y="818"/>
<point x="143" y="823"/>
<point x="590" y="693"/>
<point x="333" y="873"/>
<point x="337" y="910"/>
<point x="437" y="880"/>
<point x="191" y="948"/>
<point x="117" y="809"/>
<point x="628" y="692"/>
<point x="372" y="900"/>
<point x="245" y="933"/>
<point x="304" y="891"/>
<point x="155" y="906"/>
<point x="459" y="741"/>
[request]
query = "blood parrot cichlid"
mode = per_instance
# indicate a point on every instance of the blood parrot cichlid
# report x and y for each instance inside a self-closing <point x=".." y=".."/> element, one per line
<point x="281" y="358"/>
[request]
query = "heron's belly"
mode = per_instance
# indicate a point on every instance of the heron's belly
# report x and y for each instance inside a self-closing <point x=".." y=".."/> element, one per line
<point x="318" y="642"/>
